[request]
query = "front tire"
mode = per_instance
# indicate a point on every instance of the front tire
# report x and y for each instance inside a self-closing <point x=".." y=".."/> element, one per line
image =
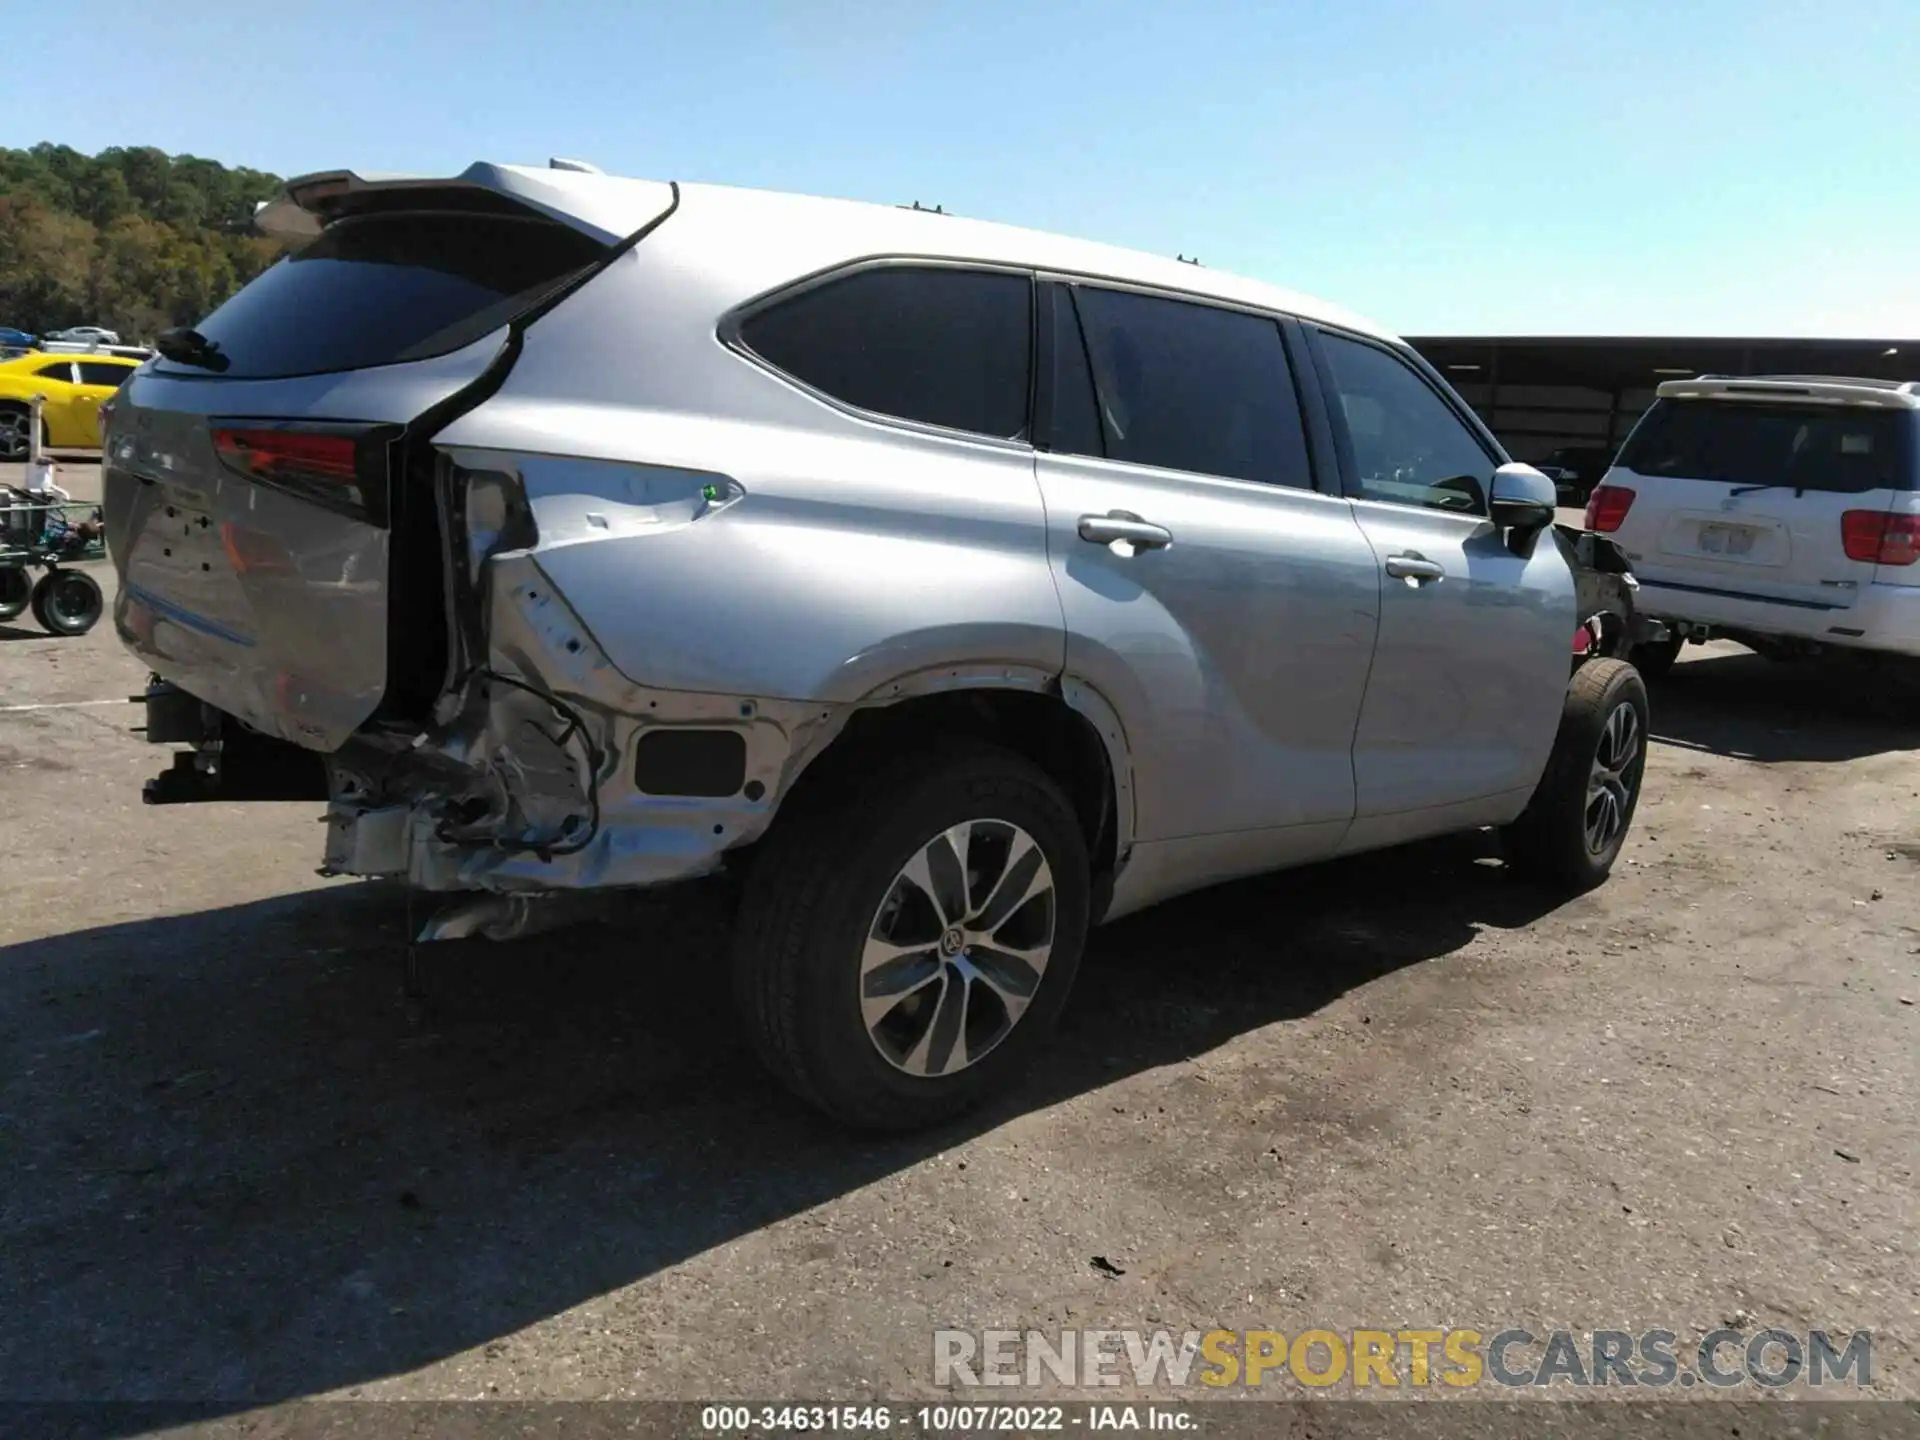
<point x="1572" y="830"/>
<point x="904" y="947"/>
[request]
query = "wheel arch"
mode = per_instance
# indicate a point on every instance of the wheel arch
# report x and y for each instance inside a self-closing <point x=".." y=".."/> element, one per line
<point x="1063" y="725"/>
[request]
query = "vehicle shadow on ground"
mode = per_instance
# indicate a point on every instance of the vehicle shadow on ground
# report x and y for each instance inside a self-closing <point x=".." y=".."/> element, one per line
<point x="1750" y="708"/>
<point x="246" y="1169"/>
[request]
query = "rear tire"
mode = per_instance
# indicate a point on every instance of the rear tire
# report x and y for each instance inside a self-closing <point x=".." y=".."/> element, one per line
<point x="847" y="969"/>
<point x="16" y="591"/>
<point x="67" y="602"/>
<point x="1572" y="830"/>
<point x="1655" y="658"/>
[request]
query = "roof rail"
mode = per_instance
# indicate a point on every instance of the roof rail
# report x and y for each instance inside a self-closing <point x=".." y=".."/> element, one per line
<point x="923" y="209"/>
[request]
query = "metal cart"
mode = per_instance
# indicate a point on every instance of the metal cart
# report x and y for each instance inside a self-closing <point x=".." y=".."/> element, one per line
<point x="39" y="533"/>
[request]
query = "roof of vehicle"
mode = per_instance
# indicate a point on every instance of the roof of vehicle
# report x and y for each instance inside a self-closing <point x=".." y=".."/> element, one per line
<point x="1827" y="389"/>
<point x="612" y="207"/>
<point x="33" y="358"/>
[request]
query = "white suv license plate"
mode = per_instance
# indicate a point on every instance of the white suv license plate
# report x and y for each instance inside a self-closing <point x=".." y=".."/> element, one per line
<point x="1726" y="539"/>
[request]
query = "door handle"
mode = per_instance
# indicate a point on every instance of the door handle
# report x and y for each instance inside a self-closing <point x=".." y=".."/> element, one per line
<point x="1124" y="525"/>
<point x="1414" y="567"/>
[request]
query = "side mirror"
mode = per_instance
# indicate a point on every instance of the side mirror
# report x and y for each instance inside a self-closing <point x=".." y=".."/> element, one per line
<point x="1523" y="500"/>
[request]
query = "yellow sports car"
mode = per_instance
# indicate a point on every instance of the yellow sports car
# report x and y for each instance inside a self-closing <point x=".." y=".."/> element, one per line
<point x="74" y="386"/>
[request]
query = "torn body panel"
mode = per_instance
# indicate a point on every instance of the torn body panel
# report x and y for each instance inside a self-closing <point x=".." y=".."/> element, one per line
<point x="532" y="784"/>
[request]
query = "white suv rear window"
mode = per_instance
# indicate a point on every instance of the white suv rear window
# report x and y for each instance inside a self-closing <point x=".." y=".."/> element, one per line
<point x="1844" y="449"/>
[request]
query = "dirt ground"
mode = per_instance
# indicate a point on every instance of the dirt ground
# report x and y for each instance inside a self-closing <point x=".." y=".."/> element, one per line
<point x="242" y="1167"/>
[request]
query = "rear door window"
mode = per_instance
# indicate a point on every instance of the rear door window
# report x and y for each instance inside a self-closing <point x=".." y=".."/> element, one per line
<point x="99" y="372"/>
<point x="383" y="288"/>
<point x="1194" y="387"/>
<point x="1841" y="449"/>
<point x="942" y="347"/>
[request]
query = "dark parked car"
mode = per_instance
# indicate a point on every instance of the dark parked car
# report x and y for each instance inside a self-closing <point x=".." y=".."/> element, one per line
<point x="1576" y="469"/>
<point x="15" y="339"/>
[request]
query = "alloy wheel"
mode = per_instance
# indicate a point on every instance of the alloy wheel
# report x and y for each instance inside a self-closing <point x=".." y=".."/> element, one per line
<point x="958" y="947"/>
<point x="16" y="426"/>
<point x="1613" y="778"/>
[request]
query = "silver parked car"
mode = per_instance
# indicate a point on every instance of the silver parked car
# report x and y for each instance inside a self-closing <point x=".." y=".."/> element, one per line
<point x="952" y="587"/>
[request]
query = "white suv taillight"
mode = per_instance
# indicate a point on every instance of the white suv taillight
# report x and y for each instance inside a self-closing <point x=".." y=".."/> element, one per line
<point x="1607" y="507"/>
<point x="1879" y="538"/>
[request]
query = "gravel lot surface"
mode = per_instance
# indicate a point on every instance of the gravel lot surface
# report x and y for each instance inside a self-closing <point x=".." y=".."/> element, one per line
<point x="242" y="1166"/>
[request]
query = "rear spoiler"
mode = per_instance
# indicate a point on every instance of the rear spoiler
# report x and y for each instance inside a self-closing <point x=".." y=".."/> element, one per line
<point x="607" y="208"/>
<point x="1881" y="395"/>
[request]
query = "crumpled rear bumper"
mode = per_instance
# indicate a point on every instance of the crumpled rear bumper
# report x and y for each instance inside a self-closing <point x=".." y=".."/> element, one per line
<point x="1604" y="585"/>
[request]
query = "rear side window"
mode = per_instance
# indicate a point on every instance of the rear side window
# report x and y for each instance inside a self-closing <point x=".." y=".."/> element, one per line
<point x="380" y="289"/>
<point x="99" y="372"/>
<point x="1192" y="387"/>
<point x="1845" y="449"/>
<point x="63" y="370"/>
<point x="943" y="347"/>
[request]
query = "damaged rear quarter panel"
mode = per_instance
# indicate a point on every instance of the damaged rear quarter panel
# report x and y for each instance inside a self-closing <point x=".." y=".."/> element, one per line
<point x="797" y="586"/>
<point x="661" y="595"/>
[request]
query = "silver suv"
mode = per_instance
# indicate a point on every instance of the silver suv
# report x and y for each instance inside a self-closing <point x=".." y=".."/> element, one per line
<point x="950" y="587"/>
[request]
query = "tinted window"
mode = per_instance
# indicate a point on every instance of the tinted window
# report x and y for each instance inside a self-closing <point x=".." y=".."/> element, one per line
<point x="944" y="347"/>
<point x="99" y="372"/>
<point x="61" y="371"/>
<point x="1075" y="413"/>
<point x="377" y="289"/>
<point x="1810" y="447"/>
<point x="1190" y="387"/>
<point x="1408" y="445"/>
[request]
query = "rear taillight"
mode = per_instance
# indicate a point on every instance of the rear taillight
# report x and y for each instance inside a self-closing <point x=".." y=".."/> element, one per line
<point x="1607" y="507"/>
<point x="342" y="468"/>
<point x="1879" y="538"/>
<point x="283" y="454"/>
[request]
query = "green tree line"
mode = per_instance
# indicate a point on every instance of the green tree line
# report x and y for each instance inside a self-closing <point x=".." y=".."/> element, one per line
<point x="132" y="238"/>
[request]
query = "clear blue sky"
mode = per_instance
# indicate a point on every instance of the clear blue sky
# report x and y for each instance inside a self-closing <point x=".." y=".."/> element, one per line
<point x="1613" y="167"/>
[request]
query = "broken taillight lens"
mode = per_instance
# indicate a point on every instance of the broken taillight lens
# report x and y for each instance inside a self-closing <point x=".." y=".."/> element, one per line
<point x="1879" y="538"/>
<point x="339" y="467"/>
<point x="1607" y="507"/>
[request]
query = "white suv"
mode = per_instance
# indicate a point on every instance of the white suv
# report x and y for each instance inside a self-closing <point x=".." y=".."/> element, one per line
<point x="1782" y="512"/>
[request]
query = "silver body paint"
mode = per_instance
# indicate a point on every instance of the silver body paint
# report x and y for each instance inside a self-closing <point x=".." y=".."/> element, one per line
<point x="719" y="546"/>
